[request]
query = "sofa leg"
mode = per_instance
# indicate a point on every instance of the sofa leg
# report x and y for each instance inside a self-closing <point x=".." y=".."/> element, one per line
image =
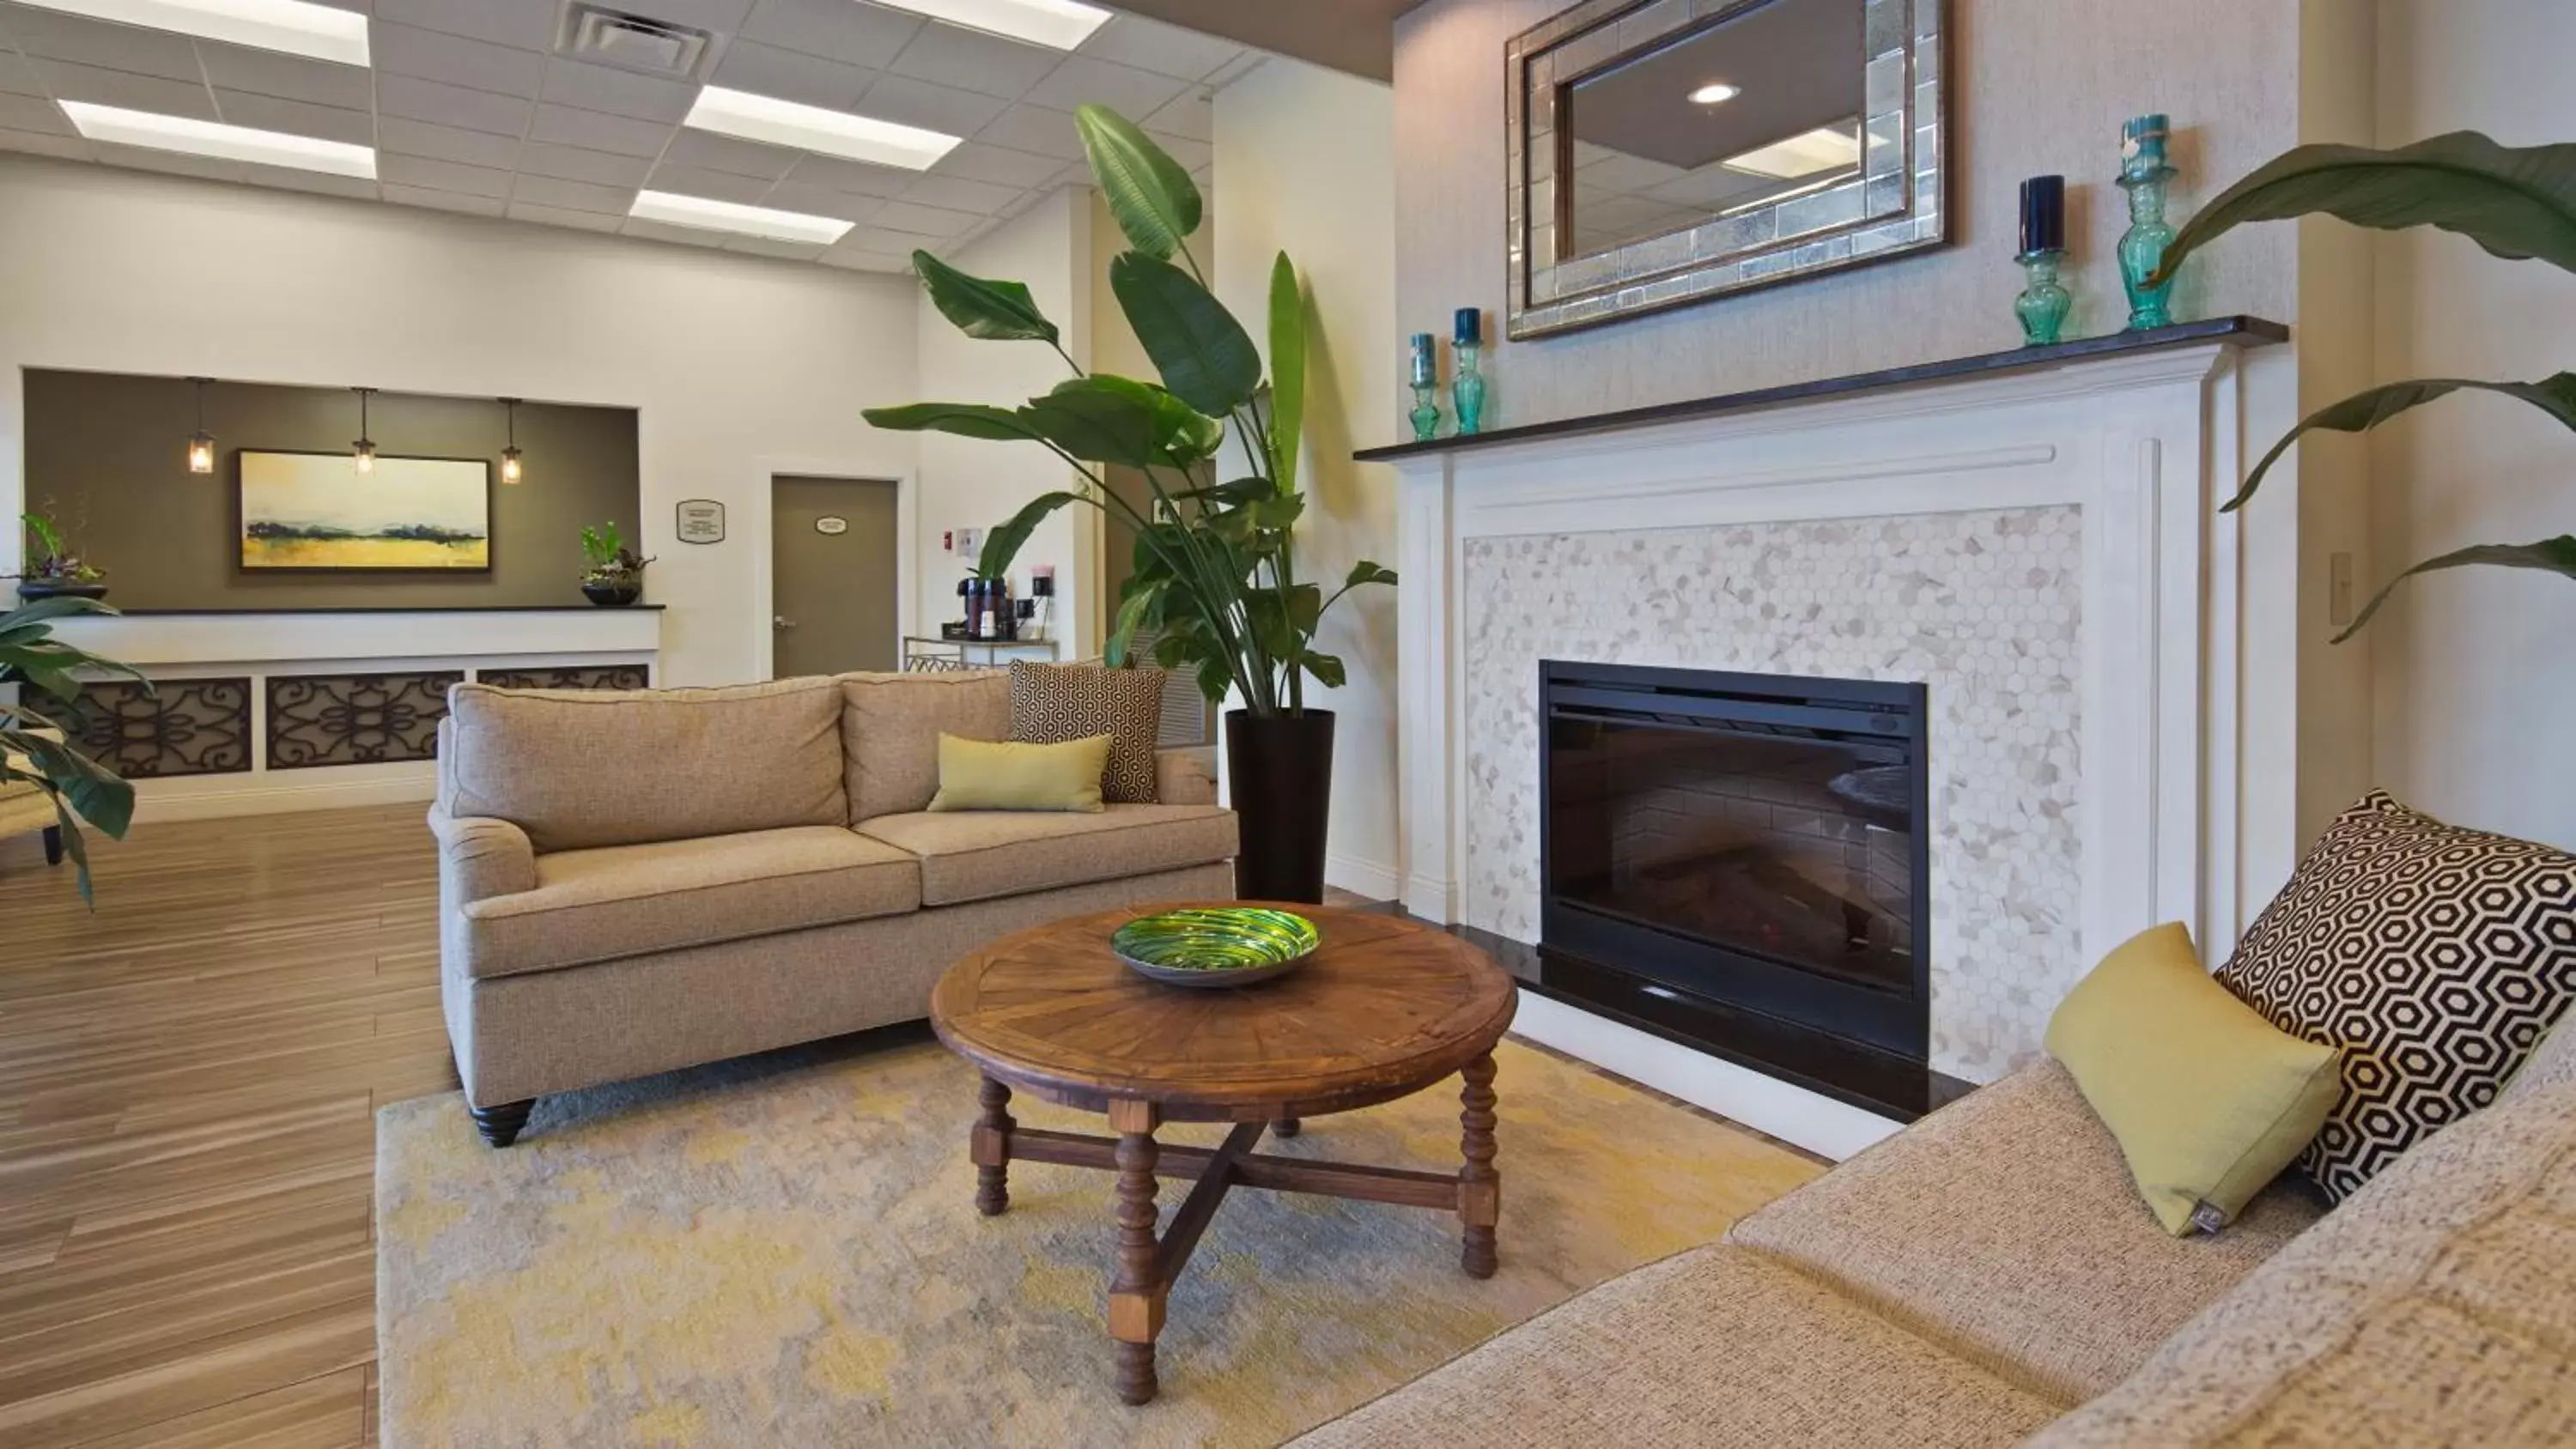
<point x="53" y="845"/>
<point x="500" y="1125"/>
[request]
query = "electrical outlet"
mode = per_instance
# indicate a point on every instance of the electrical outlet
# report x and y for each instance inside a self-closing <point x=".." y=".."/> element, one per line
<point x="970" y="543"/>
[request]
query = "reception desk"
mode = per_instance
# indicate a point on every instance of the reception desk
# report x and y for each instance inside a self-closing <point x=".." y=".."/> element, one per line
<point x="254" y="712"/>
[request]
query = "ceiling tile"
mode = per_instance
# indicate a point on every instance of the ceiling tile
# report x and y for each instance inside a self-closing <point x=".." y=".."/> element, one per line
<point x="169" y="161"/>
<point x="290" y="77"/>
<point x="443" y="200"/>
<point x="617" y="92"/>
<point x="1025" y="127"/>
<point x="959" y="194"/>
<point x="761" y="246"/>
<point x="859" y="260"/>
<point x="977" y="161"/>
<point x="34" y="113"/>
<point x="787" y="75"/>
<point x="574" y="163"/>
<point x="723" y="16"/>
<point x="421" y="100"/>
<point x="853" y="176"/>
<point x="268" y="113"/>
<point x="663" y="231"/>
<point x="15" y="78"/>
<point x="118" y="88"/>
<point x="558" y="216"/>
<point x="726" y="153"/>
<point x="863" y="35"/>
<point x="52" y="35"/>
<point x="480" y="65"/>
<point x="1235" y="70"/>
<point x="713" y="185"/>
<point x="420" y="171"/>
<point x="514" y="23"/>
<point x="1163" y="49"/>
<point x="933" y="221"/>
<point x="1190" y="114"/>
<point x="889" y="243"/>
<point x="1124" y="89"/>
<point x="32" y="143"/>
<point x="950" y="55"/>
<point x="320" y="183"/>
<point x="822" y="201"/>
<point x="599" y="132"/>
<point x="446" y="143"/>
<point x="946" y="109"/>
<point x="572" y="195"/>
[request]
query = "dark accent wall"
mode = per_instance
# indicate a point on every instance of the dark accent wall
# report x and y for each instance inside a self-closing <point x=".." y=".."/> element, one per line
<point x="110" y="449"/>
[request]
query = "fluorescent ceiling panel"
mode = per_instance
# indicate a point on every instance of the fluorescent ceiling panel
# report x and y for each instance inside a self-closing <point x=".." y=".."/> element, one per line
<point x="1824" y="149"/>
<point x="707" y="215"/>
<point x="812" y="128"/>
<point x="1056" y="24"/>
<point x="156" y="132"/>
<point x="294" y="26"/>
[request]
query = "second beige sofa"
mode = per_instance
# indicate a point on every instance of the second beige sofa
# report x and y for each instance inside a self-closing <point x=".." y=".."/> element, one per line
<point x="632" y="881"/>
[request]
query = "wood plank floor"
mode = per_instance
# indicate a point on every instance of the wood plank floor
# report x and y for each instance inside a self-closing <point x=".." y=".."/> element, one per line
<point x="188" y="1085"/>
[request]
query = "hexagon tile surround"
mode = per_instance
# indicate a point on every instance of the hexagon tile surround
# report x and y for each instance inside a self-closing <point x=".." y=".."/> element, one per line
<point x="1986" y="608"/>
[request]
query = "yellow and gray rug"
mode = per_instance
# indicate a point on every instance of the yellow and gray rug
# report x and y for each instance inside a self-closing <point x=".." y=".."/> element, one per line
<point x="786" y="1252"/>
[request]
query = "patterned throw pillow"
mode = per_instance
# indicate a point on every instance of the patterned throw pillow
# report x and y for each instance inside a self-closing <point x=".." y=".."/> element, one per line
<point x="1051" y="703"/>
<point x="2433" y="958"/>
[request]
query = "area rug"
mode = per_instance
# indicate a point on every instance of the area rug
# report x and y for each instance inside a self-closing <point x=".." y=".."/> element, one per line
<point x="786" y="1252"/>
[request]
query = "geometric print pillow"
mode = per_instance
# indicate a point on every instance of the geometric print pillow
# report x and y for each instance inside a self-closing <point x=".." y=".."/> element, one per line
<point x="2433" y="958"/>
<point x="1053" y="703"/>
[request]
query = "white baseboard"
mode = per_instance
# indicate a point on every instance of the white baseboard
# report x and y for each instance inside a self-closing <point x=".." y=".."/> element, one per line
<point x="1819" y="1124"/>
<point x="199" y="804"/>
<point x="1363" y="877"/>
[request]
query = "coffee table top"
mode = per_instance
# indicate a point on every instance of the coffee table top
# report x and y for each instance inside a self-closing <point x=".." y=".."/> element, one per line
<point x="1384" y="1007"/>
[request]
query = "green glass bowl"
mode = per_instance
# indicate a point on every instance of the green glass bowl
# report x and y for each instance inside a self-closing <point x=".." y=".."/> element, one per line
<point x="1215" y="945"/>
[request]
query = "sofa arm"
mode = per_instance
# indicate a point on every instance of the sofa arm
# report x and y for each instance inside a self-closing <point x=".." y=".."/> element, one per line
<point x="1186" y="776"/>
<point x="480" y="857"/>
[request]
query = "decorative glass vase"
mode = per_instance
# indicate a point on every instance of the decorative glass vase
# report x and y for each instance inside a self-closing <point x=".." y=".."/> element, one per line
<point x="2144" y="174"/>
<point x="1467" y="392"/>
<point x="1426" y="411"/>
<point x="2044" y="301"/>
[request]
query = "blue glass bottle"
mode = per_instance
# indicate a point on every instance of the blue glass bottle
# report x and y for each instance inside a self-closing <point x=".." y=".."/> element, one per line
<point x="2144" y="173"/>
<point x="1426" y="387"/>
<point x="1467" y="391"/>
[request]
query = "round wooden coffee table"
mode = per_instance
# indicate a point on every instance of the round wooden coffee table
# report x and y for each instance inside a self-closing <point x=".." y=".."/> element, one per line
<point x="1384" y="1008"/>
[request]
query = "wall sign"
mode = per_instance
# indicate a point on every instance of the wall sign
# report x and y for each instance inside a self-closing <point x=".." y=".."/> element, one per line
<point x="831" y="525"/>
<point x="701" y="520"/>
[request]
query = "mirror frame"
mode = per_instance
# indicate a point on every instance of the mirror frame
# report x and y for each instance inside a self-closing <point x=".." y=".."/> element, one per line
<point x="1898" y="204"/>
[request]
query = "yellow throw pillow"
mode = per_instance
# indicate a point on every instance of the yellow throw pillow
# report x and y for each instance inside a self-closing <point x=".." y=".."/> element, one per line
<point x="2208" y="1100"/>
<point x="981" y="775"/>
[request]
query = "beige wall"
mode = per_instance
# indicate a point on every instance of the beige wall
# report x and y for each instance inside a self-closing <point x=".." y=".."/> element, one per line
<point x="1304" y="164"/>
<point x="2037" y="86"/>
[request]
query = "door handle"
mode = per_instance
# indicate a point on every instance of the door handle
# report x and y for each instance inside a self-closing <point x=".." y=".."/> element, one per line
<point x="781" y="621"/>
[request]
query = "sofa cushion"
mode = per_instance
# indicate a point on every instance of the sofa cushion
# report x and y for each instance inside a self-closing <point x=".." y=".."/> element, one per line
<point x="890" y="729"/>
<point x="978" y="855"/>
<point x="626" y="900"/>
<point x="577" y="768"/>
<point x="1051" y="703"/>
<point x="2006" y="1225"/>
<point x="1716" y="1347"/>
<point x="2551" y="1064"/>
<point x="2437" y="1305"/>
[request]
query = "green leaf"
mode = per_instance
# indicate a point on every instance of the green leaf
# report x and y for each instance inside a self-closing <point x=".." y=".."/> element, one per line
<point x="1150" y="194"/>
<point x="38" y="611"/>
<point x="1215" y="678"/>
<point x="1327" y="669"/>
<point x="1287" y="371"/>
<point x="1239" y="490"/>
<point x="986" y="310"/>
<point x="964" y="420"/>
<point x="2517" y="202"/>
<point x="2552" y="555"/>
<point x="1204" y="355"/>
<point x="1104" y="419"/>
<point x="1305" y="607"/>
<point x="1365" y="572"/>
<point x="102" y="799"/>
<point x="2554" y="395"/>
<point x="1003" y="544"/>
<point x="1137" y="611"/>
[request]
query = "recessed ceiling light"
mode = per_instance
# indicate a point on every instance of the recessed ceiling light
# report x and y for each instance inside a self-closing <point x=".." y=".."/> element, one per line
<point x="1057" y="24"/>
<point x="323" y="32"/>
<point x="1715" y="93"/>
<point x="707" y="215"/>
<point x="157" y="132"/>
<point x="1806" y="154"/>
<point x="812" y="128"/>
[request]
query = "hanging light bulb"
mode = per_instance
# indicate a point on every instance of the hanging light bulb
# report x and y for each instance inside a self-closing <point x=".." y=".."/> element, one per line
<point x="362" y="453"/>
<point x="510" y="470"/>
<point x="201" y="444"/>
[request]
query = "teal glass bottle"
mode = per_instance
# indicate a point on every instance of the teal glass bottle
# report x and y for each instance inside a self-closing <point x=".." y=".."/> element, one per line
<point x="1426" y="388"/>
<point x="2044" y="300"/>
<point x="2144" y="173"/>
<point x="1467" y="390"/>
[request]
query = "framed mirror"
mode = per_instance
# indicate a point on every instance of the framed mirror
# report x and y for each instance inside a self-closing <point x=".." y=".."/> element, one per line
<point x="1665" y="152"/>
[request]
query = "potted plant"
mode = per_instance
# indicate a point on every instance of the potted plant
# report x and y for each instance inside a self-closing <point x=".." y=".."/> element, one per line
<point x="52" y="569"/>
<point x="1215" y="566"/>
<point x="2518" y="202"/>
<point x="35" y="743"/>
<point x="615" y="576"/>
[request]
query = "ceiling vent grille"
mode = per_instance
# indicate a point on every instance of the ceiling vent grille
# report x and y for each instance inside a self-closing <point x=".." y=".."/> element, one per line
<point x="631" y="42"/>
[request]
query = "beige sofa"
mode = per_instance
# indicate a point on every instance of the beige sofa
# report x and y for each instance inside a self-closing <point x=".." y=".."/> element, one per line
<point x="1989" y="1277"/>
<point x="635" y="881"/>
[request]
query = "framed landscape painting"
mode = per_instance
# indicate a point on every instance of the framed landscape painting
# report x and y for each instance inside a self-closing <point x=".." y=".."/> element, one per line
<point x="315" y="511"/>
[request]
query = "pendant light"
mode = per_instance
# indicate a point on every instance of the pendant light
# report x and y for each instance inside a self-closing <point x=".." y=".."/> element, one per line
<point x="201" y="444"/>
<point x="510" y="470"/>
<point x="362" y="453"/>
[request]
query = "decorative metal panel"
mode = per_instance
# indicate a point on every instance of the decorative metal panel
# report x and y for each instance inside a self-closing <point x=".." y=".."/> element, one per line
<point x="571" y="676"/>
<point x="355" y="719"/>
<point x="176" y="727"/>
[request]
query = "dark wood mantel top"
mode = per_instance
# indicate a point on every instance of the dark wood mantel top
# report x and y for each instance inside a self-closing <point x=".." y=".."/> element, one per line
<point x="2229" y="331"/>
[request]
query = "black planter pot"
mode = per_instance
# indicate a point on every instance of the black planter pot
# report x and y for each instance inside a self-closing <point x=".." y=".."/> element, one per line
<point x="30" y="590"/>
<point x="1281" y="774"/>
<point x="614" y="596"/>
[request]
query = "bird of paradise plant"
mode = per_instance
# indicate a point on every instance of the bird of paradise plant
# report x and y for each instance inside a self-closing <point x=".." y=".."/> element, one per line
<point x="34" y="742"/>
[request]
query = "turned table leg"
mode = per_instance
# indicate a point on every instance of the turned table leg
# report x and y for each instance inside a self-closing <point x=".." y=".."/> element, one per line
<point x="1136" y="1293"/>
<point x="1480" y="1187"/>
<point x="1285" y="1127"/>
<point x="991" y="1149"/>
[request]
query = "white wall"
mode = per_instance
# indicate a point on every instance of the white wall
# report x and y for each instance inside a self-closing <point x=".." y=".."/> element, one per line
<point x="738" y="366"/>
<point x="1305" y="163"/>
<point x="2476" y="677"/>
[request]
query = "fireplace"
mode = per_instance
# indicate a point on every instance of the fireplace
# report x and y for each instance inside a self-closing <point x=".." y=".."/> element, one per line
<point x="1742" y="861"/>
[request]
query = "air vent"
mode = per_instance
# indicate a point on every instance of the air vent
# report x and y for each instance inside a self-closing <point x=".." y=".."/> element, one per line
<point x="631" y="42"/>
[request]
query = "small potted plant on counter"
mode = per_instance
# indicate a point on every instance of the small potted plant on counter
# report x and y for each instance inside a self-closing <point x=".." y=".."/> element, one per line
<point x="52" y="570"/>
<point x="616" y="575"/>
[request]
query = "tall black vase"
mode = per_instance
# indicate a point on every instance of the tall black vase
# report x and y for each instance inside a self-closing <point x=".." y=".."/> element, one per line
<point x="1280" y="772"/>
